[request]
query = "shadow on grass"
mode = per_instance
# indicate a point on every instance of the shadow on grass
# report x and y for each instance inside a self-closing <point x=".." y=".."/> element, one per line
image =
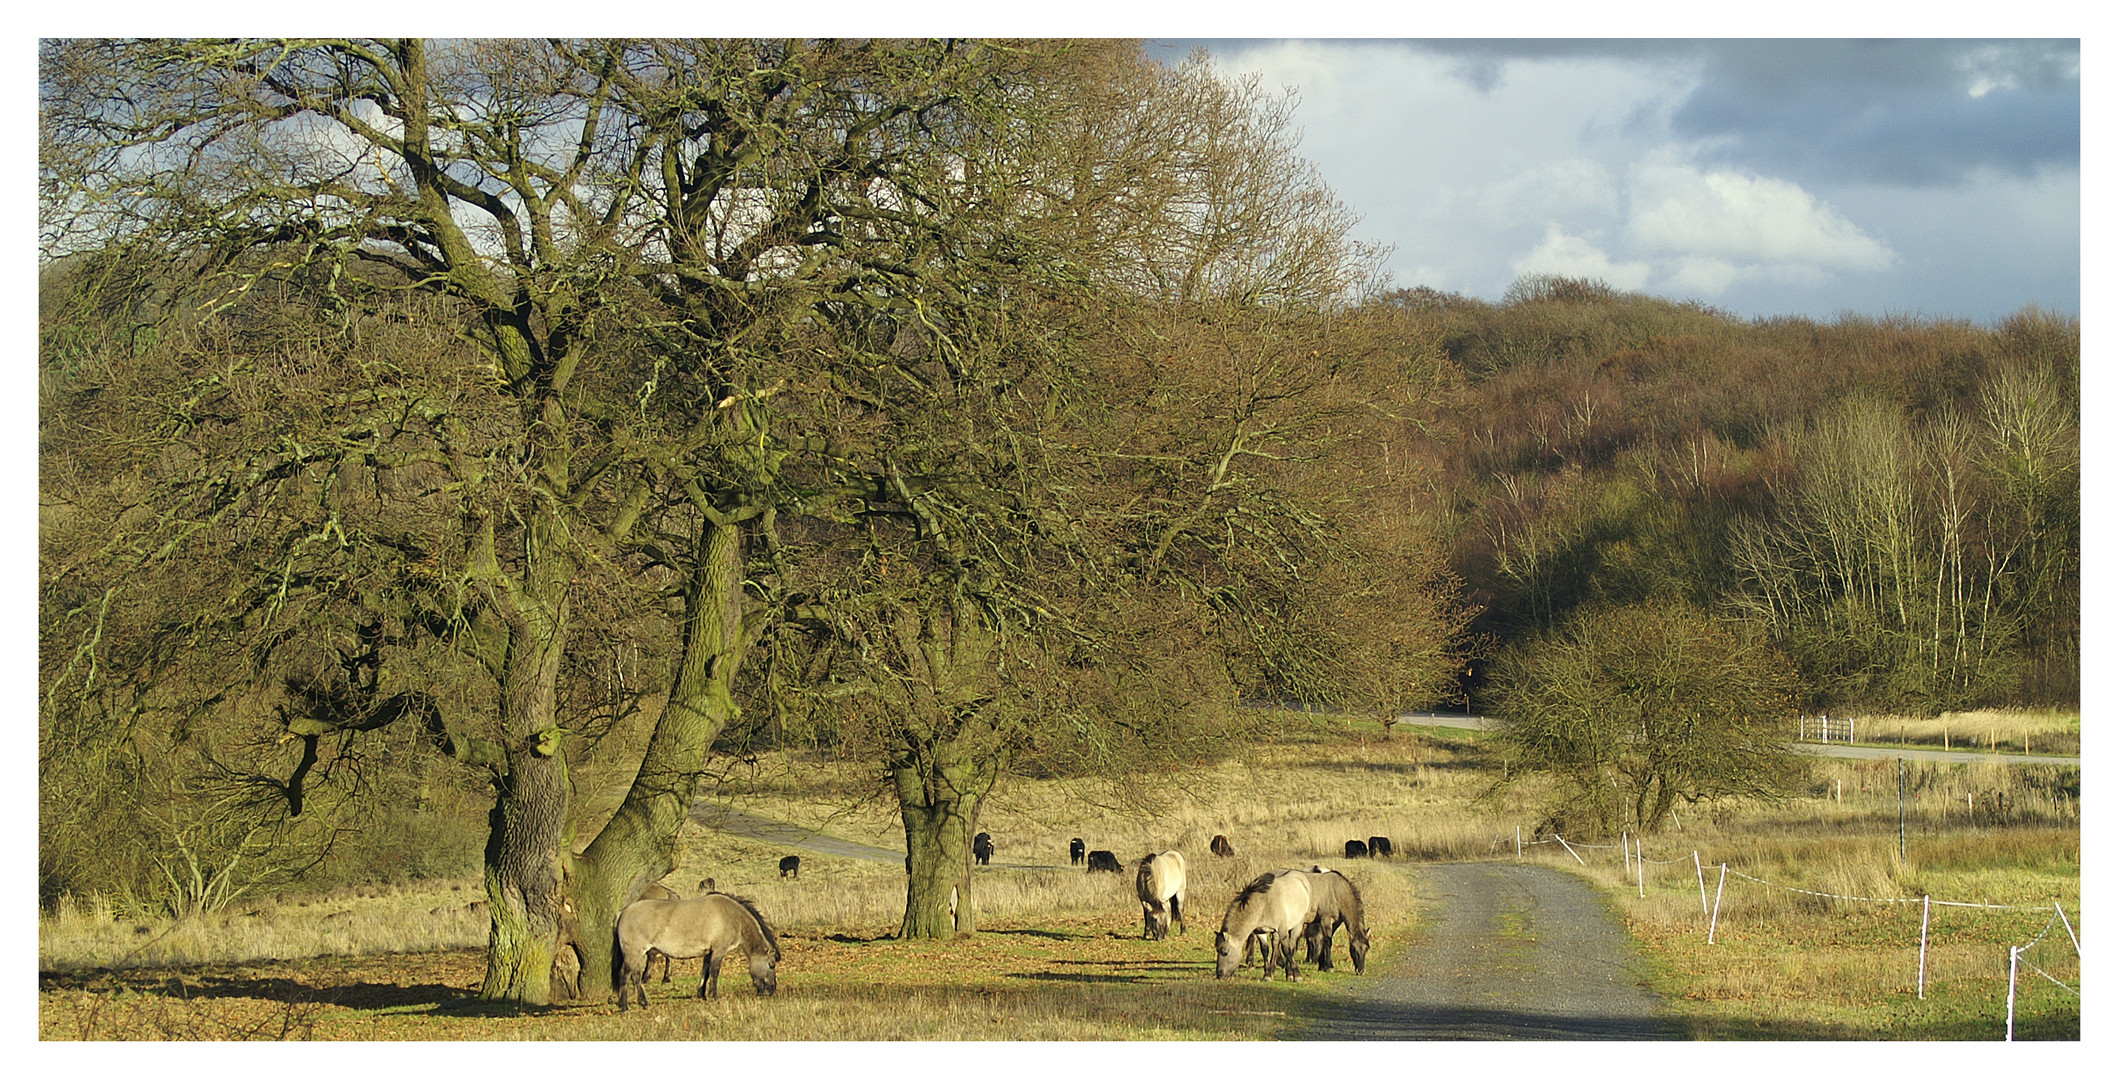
<point x="442" y="999"/>
<point x="1115" y="971"/>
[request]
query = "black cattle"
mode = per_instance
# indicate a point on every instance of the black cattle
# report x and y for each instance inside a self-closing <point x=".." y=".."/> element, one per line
<point x="1104" y="860"/>
<point x="1222" y="847"/>
<point x="1355" y="849"/>
<point x="1379" y="847"/>
<point x="1075" y="848"/>
<point x="982" y="848"/>
<point x="791" y="866"/>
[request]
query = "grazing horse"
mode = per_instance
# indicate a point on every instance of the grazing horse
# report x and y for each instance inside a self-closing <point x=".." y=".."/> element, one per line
<point x="657" y="892"/>
<point x="1222" y="847"/>
<point x="1161" y="887"/>
<point x="982" y="848"/>
<point x="791" y="866"/>
<point x="1104" y="860"/>
<point x="1075" y="848"/>
<point x="711" y="926"/>
<point x="1334" y="902"/>
<point x="1273" y="907"/>
<point x="1379" y="847"/>
<point x="1355" y="849"/>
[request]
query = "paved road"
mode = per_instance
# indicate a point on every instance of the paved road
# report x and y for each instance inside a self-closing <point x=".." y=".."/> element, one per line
<point x="1510" y="952"/>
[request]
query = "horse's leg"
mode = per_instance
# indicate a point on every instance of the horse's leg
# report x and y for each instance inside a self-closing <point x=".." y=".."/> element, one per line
<point x="1177" y="912"/>
<point x="1287" y="953"/>
<point x="710" y="980"/>
<point x="628" y="977"/>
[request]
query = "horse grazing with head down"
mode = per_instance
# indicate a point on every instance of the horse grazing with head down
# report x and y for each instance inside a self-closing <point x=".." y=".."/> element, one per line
<point x="657" y="892"/>
<point x="1273" y="908"/>
<point x="1161" y="887"/>
<point x="1334" y="902"/>
<point x="1222" y="847"/>
<point x="712" y="926"/>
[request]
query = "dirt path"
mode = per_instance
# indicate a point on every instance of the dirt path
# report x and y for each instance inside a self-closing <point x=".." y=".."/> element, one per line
<point x="1508" y="952"/>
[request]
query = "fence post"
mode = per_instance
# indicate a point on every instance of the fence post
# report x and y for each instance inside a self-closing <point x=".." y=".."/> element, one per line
<point x="1519" y="841"/>
<point x="2010" y="1036"/>
<point x="1570" y="851"/>
<point x="1920" y="982"/>
<point x="1716" y="917"/>
<point x="1702" y="875"/>
<point x="1640" y="870"/>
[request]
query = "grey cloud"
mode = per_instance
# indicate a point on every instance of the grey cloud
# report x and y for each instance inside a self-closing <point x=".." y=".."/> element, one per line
<point x="1899" y="111"/>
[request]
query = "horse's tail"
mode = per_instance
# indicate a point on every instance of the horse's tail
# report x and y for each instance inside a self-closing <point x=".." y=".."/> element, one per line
<point x="618" y="961"/>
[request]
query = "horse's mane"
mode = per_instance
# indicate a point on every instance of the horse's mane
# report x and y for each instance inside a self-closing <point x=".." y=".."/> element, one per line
<point x="1258" y="885"/>
<point x="771" y="941"/>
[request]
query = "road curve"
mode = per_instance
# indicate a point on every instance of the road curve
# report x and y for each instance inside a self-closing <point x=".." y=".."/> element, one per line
<point x="1509" y="952"/>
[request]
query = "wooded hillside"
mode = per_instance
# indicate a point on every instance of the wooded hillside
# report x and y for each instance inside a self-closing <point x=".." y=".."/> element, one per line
<point x="1893" y="502"/>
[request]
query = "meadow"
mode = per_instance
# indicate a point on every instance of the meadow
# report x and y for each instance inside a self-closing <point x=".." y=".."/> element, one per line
<point x="1060" y="955"/>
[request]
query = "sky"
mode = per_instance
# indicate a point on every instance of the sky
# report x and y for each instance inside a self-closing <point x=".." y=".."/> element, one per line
<point x="1934" y="177"/>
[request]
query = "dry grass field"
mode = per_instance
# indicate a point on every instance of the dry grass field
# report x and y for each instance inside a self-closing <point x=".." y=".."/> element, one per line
<point x="1060" y="955"/>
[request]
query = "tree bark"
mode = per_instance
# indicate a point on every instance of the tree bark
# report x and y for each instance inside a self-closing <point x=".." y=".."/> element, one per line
<point x="527" y="851"/>
<point x="639" y="844"/>
<point x="940" y="790"/>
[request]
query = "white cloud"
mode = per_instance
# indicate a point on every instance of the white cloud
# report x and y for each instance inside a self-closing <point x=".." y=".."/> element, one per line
<point x="1574" y="256"/>
<point x="1680" y="211"/>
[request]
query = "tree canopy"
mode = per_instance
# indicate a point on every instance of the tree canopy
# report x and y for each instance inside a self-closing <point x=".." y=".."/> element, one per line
<point x="999" y="392"/>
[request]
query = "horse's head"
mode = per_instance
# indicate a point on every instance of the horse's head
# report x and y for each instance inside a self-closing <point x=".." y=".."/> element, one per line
<point x="1228" y="954"/>
<point x="1357" y="946"/>
<point x="765" y="973"/>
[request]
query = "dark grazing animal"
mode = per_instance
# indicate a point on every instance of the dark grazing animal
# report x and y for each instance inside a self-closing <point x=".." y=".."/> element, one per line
<point x="1355" y="849"/>
<point x="982" y="848"/>
<point x="1075" y="848"/>
<point x="1222" y="847"/>
<point x="1334" y="902"/>
<point x="1104" y="860"/>
<point x="1379" y="847"/>
<point x="711" y="926"/>
<point x="1273" y="908"/>
<point x="791" y="866"/>
<point x="1160" y="884"/>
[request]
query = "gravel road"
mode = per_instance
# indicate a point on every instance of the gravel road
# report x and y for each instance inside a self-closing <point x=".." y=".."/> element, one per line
<point x="1509" y="952"/>
<point x="1506" y="952"/>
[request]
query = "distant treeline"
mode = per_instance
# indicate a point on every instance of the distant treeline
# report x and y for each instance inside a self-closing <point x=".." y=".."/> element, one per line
<point x="1893" y="502"/>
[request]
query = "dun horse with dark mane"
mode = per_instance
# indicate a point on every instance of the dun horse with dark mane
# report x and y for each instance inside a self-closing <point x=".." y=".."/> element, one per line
<point x="1161" y="887"/>
<point x="1334" y="902"/>
<point x="711" y="926"/>
<point x="1274" y="908"/>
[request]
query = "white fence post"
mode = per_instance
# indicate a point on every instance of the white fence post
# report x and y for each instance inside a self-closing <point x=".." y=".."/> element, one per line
<point x="1920" y="982"/>
<point x="1716" y="917"/>
<point x="1570" y="851"/>
<point x="1519" y="841"/>
<point x="2011" y="1034"/>
<point x="1702" y="875"/>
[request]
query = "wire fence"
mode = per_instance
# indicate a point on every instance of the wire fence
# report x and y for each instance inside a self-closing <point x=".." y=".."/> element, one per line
<point x="1635" y="865"/>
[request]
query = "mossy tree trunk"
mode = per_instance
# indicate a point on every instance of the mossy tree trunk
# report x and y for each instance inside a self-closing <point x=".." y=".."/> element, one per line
<point x="638" y="846"/>
<point x="940" y="789"/>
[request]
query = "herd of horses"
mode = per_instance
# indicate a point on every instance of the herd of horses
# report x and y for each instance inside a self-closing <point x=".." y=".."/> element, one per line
<point x="1265" y="919"/>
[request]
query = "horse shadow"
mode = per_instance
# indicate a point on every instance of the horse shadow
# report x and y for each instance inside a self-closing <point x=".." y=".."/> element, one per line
<point x="1115" y="971"/>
